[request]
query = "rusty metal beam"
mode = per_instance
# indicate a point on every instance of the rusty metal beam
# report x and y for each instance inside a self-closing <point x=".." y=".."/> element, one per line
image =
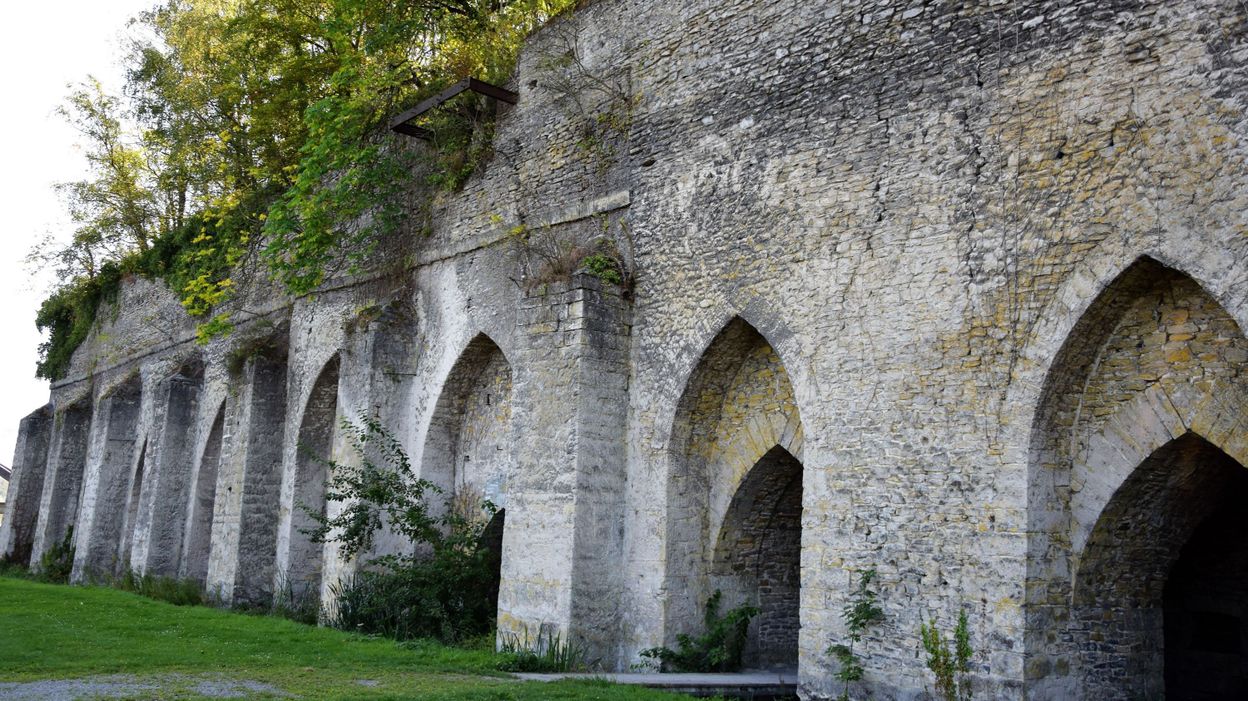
<point x="401" y="124"/>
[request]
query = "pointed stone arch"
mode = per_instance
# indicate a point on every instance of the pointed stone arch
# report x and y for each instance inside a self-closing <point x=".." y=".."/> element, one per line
<point x="131" y="506"/>
<point x="111" y="463"/>
<point x="30" y="465"/>
<point x="197" y="545"/>
<point x="303" y="561"/>
<point x="468" y="447"/>
<point x="735" y="485"/>
<point x="62" y="487"/>
<point x="157" y="531"/>
<point x="1154" y="372"/>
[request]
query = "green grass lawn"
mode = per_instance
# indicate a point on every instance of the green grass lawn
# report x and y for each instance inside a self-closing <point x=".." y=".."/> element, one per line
<point x="60" y="632"/>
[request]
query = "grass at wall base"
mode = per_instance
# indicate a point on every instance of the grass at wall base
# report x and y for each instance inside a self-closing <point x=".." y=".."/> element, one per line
<point x="71" y="632"/>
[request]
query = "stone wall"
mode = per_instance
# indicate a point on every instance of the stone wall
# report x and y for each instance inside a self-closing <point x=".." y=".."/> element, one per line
<point x="977" y="268"/>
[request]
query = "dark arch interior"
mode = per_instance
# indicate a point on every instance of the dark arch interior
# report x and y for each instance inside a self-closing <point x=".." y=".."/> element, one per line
<point x="492" y="544"/>
<point x="758" y="558"/>
<point x="316" y="440"/>
<point x="1206" y="603"/>
<point x="447" y="457"/>
<point x="203" y="502"/>
<point x="132" y="510"/>
<point x="1162" y="590"/>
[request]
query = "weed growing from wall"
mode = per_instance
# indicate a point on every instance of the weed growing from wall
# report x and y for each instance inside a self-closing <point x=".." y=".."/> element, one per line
<point x="950" y="667"/>
<point x="547" y="653"/>
<point x="57" y="562"/>
<point x="600" y="103"/>
<point x="861" y="612"/>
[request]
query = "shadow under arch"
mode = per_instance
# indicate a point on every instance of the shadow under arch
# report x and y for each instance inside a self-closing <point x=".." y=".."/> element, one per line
<point x="468" y="447"/>
<point x="130" y="525"/>
<point x="736" y="438"/>
<point x="1147" y="614"/>
<point x="197" y="546"/>
<point x="108" y="479"/>
<point x="1151" y="359"/>
<point x="319" y="426"/>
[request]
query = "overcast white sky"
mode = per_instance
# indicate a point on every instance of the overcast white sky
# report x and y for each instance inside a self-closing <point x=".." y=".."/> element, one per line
<point x="48" y="45"/>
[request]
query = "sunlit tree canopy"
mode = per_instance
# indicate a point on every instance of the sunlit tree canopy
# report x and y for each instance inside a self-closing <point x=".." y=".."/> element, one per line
<point x="249" y="138"/>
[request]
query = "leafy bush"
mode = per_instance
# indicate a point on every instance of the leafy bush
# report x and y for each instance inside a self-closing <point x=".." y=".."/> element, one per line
<point x="603" y="267"/>
<point x="548" y="653"/>
<point x="951" y="667"/>
<point x="12" y="567"/>
<point x="445" y="589"/>
<point x="717" y="650"/>
<point x="57" y="562"/>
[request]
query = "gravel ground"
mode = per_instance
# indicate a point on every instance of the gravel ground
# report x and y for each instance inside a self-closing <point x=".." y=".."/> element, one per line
<point x="118" y="686"/>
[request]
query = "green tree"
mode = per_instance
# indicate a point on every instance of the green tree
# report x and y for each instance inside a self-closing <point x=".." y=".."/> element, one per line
<point x="251" y="138"/>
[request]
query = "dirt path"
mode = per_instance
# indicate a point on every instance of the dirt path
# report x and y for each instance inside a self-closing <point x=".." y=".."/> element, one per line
<point x="123" y="686"/>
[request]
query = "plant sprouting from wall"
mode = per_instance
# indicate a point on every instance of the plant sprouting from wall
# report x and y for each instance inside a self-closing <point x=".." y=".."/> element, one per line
<point x="57" y="562"/>
<point x="951" y="667"/>
<point x="860" y="613"/>
<point x="554" y="253"/>
<point x="600" y="102"/>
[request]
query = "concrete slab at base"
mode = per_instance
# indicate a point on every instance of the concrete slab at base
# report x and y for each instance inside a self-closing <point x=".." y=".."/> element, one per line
<point x="747" y="685"/>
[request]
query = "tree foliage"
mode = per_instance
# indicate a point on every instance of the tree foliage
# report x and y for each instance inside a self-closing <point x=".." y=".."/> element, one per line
<point x="250" y="135"/>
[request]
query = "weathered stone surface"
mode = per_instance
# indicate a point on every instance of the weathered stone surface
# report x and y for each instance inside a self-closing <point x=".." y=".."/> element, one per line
<point x="30" y="464"/>
<point x="977" y="267"/>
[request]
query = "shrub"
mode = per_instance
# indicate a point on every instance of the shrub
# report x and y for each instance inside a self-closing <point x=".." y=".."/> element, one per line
<point x="717" y="650"/>
<point x="604" y="268"/>
<point x="57" y="562"/>
<point x="301" y="604"/>
<point x="444" y="589"/>
<point x="179" y="592"/>
<point x="12" y="567"/>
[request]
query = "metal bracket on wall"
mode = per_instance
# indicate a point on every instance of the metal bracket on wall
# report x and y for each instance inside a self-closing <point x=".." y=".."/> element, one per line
<point x="402" y="123"/>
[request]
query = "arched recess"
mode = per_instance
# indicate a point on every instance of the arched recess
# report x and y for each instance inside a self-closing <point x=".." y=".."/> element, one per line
<point x="132" y="510"/>
<point x="1122" y="471"/>
<point x="469" y="448"/>
<point x="734" y="495"/>
<point x="62" y="487"/>
<point x="111" y="462"/>
<point x="203" y="496"/>
<point x="1152" y="625"/>
<point x="315" y="449"/>
<point x="158" y="528"/>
